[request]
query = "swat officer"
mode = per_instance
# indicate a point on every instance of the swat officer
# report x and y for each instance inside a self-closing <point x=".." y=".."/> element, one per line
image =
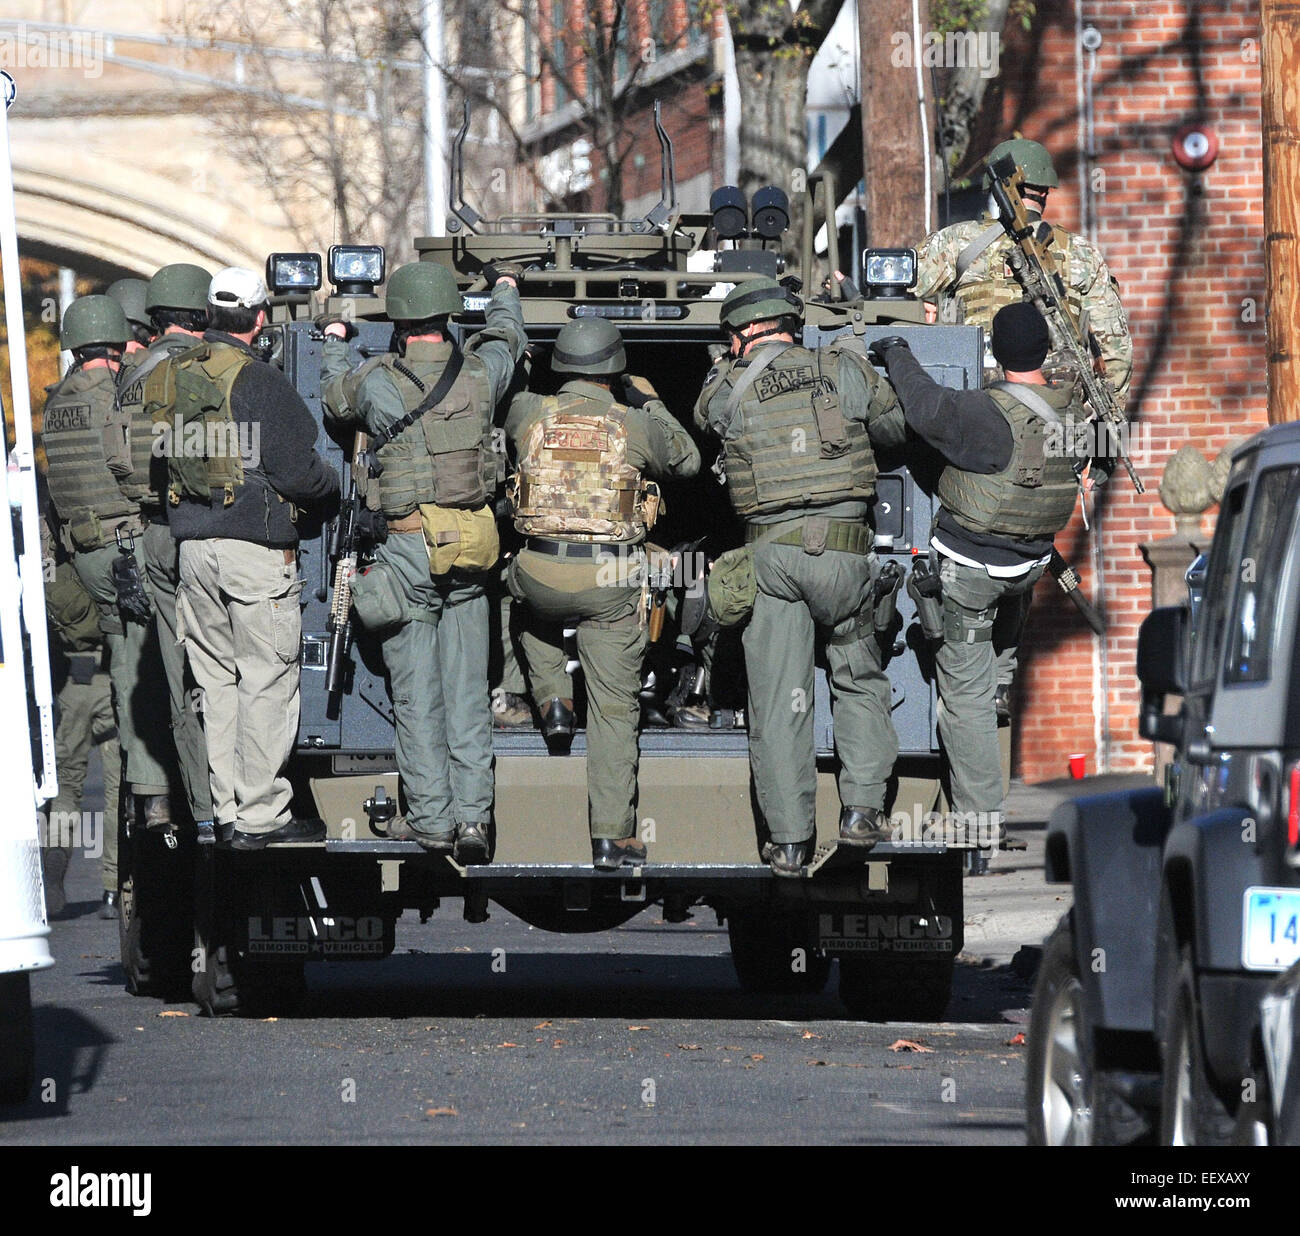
<point x="965" y="266"/>
<point x="583" y="500"/>
<point x="99" y="525"/>
<point x="429" y="406"/>
<point x="967" y="263"/>
<point x="1007" y="488"/>
<point x="176" y="299"/>
<point x="233" y="508"/>
<point x="798" y="430"/>
<point x="131" y="294"/>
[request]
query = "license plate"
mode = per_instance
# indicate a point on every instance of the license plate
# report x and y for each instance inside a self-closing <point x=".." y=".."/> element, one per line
<point x="1270" y="936"/>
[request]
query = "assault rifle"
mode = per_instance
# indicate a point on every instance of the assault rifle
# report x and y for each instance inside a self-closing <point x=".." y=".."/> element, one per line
<point x="354" y="524"/>
<point x="1047" y="290"/>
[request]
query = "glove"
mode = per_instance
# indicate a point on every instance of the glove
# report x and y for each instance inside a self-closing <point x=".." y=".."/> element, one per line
<point x="637" y="392"/>
<point x="332" y="319"/>
<point x="494" y="272"/>
<point x="878" y="350"/>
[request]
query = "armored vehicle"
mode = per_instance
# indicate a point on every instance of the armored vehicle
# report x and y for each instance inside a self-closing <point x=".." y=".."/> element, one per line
<point x="894" y="921"/>
<point x="1147" y="1016"/>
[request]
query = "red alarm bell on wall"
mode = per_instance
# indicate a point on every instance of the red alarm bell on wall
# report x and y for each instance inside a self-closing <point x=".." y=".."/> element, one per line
<point x="1196" y="147"/>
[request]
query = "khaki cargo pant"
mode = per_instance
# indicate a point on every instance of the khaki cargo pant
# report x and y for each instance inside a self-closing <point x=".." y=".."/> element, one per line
<point x="798" y="593"/>
<point x="238" y="620"/>
<point x="611" y="644"/>
<point x="136" y="667"/>
<point x="86" y="720"/>
<point x="161" y="561"/>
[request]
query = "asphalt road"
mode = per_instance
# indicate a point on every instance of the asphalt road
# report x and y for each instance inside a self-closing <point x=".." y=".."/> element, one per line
<point x="639" y="1035"/>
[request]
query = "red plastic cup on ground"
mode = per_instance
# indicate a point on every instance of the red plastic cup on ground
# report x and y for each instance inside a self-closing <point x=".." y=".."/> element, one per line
<point x="1078" y="766"/>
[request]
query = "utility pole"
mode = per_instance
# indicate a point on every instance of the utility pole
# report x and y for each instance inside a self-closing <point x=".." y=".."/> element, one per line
<point x="897" y="130"/>
<point x="1281" y="127"/>
<point x="435" y="116"/>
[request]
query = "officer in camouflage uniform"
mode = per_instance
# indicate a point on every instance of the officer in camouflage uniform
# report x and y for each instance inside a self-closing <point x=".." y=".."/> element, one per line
<point x="176" y="299"/>
<point x="798" y="429"/>
<point x="433" y="478"/>
<point x="1007" y="489"/>
<point x="86" y="720"/>
<point x="963" y="270"/>
<point x="583" y="501"/>
<point x="83" y="428"/>
<point x="132" y="295"/>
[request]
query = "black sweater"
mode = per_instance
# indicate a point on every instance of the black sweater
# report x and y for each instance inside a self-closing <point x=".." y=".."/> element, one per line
<point x="277" y="438"/>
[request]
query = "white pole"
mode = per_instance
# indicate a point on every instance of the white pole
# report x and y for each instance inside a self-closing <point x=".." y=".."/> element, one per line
<point x="22" y="478"/>
<point x="67" y="294"/>
<point x="435" y="117"/>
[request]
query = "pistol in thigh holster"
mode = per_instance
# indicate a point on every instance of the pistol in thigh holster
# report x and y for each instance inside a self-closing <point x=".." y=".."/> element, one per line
<point x="924" y="588"/>
<point x="884" y="596"/>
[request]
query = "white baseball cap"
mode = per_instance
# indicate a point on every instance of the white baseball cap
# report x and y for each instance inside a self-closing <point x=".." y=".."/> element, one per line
<point x="237" y="287"/>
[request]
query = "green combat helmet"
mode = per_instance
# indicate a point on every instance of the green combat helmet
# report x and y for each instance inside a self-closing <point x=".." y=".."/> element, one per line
<point x="758" y="300"/>
<point x="94" y="319"/>
<point x="1031" y="158"/>
<point x="130" y="294"/>
<point x="590" y="346"/>
<point x="421" y="290"/>
<point x="180" y="285"/>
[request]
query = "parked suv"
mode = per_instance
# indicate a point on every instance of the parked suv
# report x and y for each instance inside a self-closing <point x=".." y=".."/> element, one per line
<point x="1146" y="1018"/>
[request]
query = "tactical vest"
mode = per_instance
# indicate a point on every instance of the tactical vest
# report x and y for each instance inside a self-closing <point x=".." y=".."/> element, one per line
<point x="446" y="456"/>
<point x="1034" y="495"/>
<point x="982" y="295"/>
<point x="789" y="444"/>
<point x="189" y="397"/>
<point x="140" y="484"/>
<point x="574" y="480"/>
<point x="79" y="430"/>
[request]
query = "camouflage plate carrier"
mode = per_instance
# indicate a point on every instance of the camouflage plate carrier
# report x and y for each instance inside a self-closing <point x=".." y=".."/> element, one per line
<point x="574" y="480"/>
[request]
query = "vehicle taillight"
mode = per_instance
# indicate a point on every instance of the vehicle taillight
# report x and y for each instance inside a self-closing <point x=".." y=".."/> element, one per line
<point x="1293" y="807"/>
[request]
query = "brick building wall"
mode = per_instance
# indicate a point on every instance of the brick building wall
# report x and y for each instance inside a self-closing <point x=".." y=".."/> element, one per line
<point x="1187" y="250"/>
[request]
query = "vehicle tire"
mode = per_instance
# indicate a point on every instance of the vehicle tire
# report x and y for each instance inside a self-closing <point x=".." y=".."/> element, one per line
<point x="213" y="986"/>
<point x="1191" y="1114"/>
<point x="763" y="951"/>
<point x="896" y="986"/>
<point x="229" y="984"/>
<point x="155" y="913"/>
<point x="17" y="1038"/>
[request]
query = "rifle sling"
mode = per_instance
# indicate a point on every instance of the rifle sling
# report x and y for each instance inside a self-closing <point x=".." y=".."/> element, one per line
<point x="977" y="246"/>
<point x="1027" y="397"/>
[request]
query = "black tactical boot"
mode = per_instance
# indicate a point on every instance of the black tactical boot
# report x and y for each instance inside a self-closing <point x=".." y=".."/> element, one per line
<point x="864" y="827"/>
<point x="293" y="831"/>
<point x="54" y="859"/>
<point x="786" y="859"/>
<point x="557" y="724"/>
<point x="609" y="855"/>
<point x="108" y="906"/>
<point x="471" y="846"/>
<point x="510" y="711"/>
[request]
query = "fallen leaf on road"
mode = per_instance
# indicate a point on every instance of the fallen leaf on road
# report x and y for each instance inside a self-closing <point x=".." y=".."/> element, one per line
<point x="908" y="1045"/>
<point x="441" y="1111"/>
<point x="808" y="1034"/>
<point x="688" y="1047"/>
<point x="560" y="1043"/>
<point x="1017" y="1040"/>
<point x="507" y="1044"/>
<point x="173" y="1013"/>
<point x="817" y="1064"/>
<point x="638" y="1027"/>
<point x="542" y="1025"/>
<point x="264" y="1018"/>
<point x="462" y="948"/>
<point x="758" y="1056"/>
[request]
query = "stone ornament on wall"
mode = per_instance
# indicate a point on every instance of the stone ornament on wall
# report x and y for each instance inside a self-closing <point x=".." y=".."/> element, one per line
<point x="1190" y="485"/>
